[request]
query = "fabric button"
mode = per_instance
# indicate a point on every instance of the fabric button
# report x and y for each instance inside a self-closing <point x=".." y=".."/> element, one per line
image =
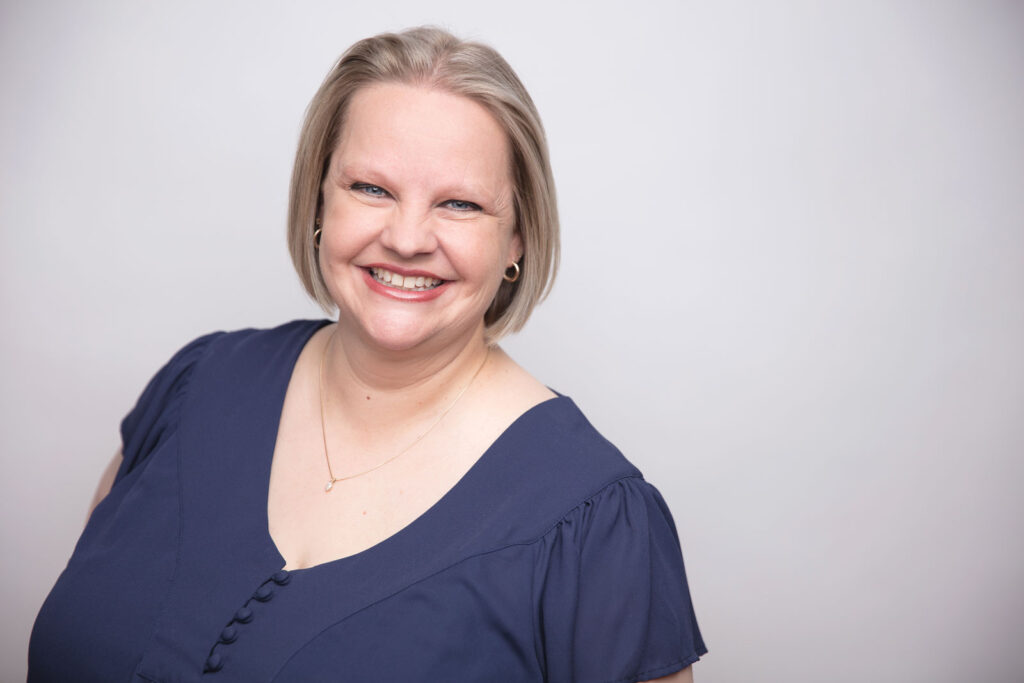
<point x="281" y="578"/>
<point x="243" y="615"/>
<point x="214" y="663"/>
<point x="229" y="634"/>
<point x="263" y="593"/>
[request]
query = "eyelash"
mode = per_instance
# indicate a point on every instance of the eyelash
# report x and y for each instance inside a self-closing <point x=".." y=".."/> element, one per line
<point x="363" y="187"/>
<point x="372" y="191"/>
<point x="470" y="206"/>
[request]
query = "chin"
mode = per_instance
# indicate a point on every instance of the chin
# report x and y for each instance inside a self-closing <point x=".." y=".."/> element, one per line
<point x="399" y="335"/>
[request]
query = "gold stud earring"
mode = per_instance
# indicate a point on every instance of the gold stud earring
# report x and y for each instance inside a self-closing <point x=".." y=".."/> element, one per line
<point x="515" y="276"/>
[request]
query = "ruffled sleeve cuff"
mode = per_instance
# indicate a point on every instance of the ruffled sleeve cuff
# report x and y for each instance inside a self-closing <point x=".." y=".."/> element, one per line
<point x="611" y="598"/>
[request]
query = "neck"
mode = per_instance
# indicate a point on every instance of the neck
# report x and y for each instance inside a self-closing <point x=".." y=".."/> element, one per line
<point x="374" y="387"/>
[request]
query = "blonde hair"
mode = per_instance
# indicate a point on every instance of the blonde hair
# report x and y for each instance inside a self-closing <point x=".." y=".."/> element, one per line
<point x="436" y="58"/>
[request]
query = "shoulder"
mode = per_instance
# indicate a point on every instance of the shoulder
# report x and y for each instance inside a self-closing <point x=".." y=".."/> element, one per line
<point x="549" y="462"/>
<point x="261" y="343"/>
<point x="250" y="341"/>
<point x="208" y="359"/>
<point x="558" y="438"/>
<point x="234" y="355"/>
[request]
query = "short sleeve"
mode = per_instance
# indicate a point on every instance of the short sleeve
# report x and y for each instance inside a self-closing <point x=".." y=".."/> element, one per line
<point x="611" y="598"/>
<point x="155" y="414"/>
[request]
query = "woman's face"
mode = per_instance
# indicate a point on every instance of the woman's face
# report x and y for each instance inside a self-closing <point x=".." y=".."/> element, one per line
<point x="418" y="218"/>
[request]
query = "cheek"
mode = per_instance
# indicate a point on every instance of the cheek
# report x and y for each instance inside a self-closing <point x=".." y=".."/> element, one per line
<point x="340" y="244"/>
<point x="476" y="251"/>
<point x="347" y="230"/>
<point x="490" y="266"/>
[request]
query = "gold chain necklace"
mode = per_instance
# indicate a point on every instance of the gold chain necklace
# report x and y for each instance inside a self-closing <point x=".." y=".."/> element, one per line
<point x="323" y="422"/>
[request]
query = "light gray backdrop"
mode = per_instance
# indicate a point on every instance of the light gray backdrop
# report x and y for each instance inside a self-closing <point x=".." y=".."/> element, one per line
<point x="792" y="289"/>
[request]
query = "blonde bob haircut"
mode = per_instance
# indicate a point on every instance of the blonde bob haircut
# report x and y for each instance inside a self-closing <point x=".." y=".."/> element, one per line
<point x="435" y="58"/>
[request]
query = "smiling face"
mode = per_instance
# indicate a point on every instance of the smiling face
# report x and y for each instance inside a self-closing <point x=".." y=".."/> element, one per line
<point x="418" y="218"/>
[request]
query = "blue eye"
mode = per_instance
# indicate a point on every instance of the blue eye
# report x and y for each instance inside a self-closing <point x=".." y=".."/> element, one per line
<point x="371" y="190"/>
<point x="460" y="205"/>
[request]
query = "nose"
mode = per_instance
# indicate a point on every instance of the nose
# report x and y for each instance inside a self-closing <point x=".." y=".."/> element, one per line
<point x="409" y="233"/>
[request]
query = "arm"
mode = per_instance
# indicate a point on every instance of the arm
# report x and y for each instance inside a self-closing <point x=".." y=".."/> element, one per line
<point x="106" y="481"/>
<point x="684" y="676"/>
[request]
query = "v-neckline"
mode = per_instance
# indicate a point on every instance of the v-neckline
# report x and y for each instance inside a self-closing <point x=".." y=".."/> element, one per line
<point x="421" y="523"/>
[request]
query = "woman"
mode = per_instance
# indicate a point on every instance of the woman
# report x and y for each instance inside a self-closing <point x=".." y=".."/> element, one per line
<point x="388" y="497"/>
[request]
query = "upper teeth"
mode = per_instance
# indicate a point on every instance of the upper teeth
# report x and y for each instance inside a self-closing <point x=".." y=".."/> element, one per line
<point x="411" y="282"/>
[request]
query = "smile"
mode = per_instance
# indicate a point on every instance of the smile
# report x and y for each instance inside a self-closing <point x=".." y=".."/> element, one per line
<point x="409" y="283"/>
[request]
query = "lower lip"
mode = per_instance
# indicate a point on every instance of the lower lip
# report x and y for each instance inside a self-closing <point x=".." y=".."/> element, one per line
<point x="403" y="294"/>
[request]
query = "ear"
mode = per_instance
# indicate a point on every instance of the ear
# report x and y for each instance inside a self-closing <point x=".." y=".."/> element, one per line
<point x="515" y="249"/>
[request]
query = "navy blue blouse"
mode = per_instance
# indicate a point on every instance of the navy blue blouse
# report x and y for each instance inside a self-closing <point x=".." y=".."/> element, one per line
<point x="550" y="560"/>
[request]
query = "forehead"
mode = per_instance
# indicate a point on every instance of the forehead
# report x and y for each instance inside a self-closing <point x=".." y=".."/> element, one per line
<point x="419" y="132"/>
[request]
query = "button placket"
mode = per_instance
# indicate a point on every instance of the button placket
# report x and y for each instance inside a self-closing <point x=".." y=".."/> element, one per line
<point x="229" y="634"/>
<point x="245" y="614"/>
<point x="264" y="593"/>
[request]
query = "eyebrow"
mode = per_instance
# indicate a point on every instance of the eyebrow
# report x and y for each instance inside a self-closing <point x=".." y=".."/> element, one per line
<point x="355" y="171"/>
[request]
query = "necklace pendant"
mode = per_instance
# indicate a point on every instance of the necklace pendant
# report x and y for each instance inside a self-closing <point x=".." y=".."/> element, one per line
<point x="330" y="485"/>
